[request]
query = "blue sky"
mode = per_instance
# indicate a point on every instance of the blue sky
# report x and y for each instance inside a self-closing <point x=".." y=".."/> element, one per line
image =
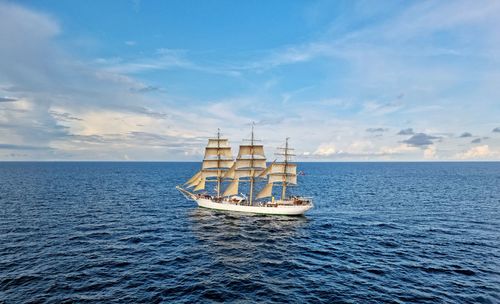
<point x="346" y="80"/>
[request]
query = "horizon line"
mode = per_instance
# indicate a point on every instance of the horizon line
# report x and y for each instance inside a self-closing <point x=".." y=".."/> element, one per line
<point x="193" y="161"/>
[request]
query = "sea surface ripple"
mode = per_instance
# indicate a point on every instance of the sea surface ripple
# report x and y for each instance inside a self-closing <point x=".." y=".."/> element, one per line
<point x="379" y="233"/>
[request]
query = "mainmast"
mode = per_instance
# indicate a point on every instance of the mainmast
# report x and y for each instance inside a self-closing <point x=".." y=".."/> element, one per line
<point x="250" y="162"/>
<point x="218" y="163"/>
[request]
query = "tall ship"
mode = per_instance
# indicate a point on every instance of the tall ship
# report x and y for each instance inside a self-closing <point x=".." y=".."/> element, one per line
<point x="246" y="183"/>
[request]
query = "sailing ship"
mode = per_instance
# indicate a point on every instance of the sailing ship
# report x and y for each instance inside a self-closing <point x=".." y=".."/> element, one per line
<point x="250" y="167"/>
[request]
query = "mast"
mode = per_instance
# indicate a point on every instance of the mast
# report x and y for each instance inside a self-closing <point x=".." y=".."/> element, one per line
<point x="218" y="163"/>
<point x="283" y="191"/>
<point x="252" y="178"/>
<point x="217" y="160"/>
<point x="283" y="172"/>
<point x="250" y="163"/>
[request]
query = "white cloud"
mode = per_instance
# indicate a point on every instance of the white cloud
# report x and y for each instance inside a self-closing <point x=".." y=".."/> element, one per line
<point x="479" y="152"/>
<point x="430" y="153"/>
<point x="363" y="150"/>
<point x="327" y="149"/>
<point x="402" y="148"/>
<point x="67" y="108"/>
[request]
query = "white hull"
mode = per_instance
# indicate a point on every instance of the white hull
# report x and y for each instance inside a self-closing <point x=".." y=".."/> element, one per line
<point x="277" y="210"/>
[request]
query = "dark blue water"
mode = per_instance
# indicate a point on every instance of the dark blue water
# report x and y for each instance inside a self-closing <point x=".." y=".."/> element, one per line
<point x="120" y="232"/>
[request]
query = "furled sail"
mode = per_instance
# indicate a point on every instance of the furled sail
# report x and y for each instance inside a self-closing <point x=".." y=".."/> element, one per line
<point x="266" y="191"/>
<point x="232" y="189"/>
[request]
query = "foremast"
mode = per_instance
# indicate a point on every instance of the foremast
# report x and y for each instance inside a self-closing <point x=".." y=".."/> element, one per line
<point x="216" y="162"/>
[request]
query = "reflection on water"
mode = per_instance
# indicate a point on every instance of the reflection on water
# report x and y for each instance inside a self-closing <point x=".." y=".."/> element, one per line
<point x="209" y="225"/>
<point x="244" y="241"/>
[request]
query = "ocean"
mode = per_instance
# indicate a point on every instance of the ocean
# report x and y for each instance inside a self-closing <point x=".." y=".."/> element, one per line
<point x="119" y="232"/>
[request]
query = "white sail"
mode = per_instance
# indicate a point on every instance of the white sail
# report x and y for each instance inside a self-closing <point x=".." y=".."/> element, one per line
<point x="217" y="163"/>
<point x="249" y="163"/>
<point x="232" y="189"/>
<point x="291" y="169"/>
<point x="289" y="179"/>
<point x="247" y="173"/>
<point x="200" y="186"/>
<point x="194" y="183"/>
<point x="250" y="166"/>
<point x="194" y="178"/>
<point x="218" y="152"/>
<point x="267" y="170"/>
<point x="230" y="173"/>
<point x="266" y="191"/>
<point x="255" y="150"/>
<point x="218" y="142"/>
<point x="210" y="173"/>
